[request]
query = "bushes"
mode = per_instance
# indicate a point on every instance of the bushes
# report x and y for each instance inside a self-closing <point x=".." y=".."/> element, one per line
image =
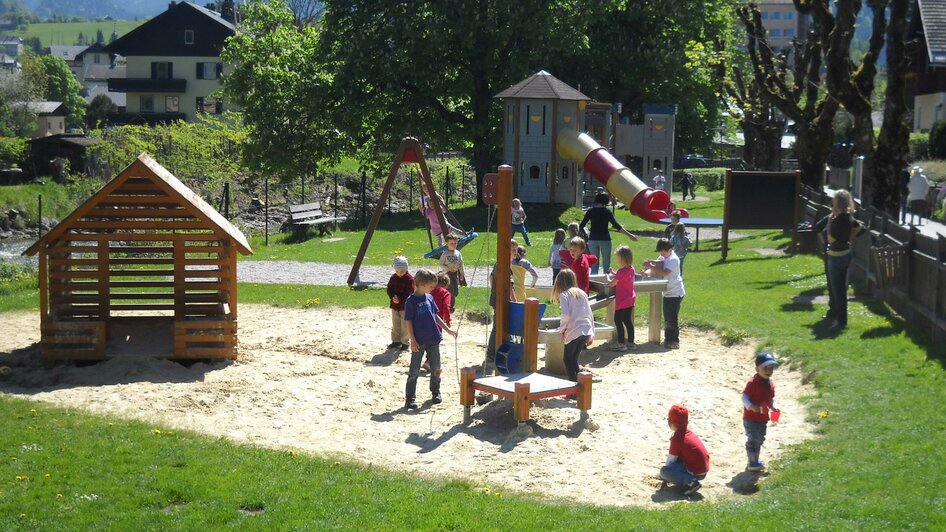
<point x="13" y="152"/>
<point x="938" y="140"/>
<point x="919" y="146"/>
<point x="708" y="178"/>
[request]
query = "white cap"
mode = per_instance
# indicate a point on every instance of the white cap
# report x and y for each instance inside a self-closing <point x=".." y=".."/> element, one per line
<point x="400" y="262"/>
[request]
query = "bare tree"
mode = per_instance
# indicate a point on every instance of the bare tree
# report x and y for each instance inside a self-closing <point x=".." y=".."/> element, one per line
<point x="761" y="122"/>
<point x="306" y="11"/>
<point x="800" y="96"/>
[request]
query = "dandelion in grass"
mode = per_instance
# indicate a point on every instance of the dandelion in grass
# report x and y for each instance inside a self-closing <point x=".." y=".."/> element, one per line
<point x="338" y="463"/>
<point x="59" y="495"/>
<point x="21" y="478"/>
<point x="824" y="414"/>
<point x="157" y="431"/>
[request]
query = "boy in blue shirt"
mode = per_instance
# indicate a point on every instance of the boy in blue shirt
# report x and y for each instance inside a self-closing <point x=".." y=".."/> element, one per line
<point x="420" y="314"/>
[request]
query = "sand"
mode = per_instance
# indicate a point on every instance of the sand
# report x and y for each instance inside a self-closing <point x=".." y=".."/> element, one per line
<point x="320" y="381"/>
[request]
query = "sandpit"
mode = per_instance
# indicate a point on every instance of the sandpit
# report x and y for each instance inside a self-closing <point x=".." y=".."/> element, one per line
<point x="320" y="381"/>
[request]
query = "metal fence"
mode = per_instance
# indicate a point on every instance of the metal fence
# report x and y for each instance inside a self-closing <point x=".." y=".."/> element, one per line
<point x="897" y="264"/>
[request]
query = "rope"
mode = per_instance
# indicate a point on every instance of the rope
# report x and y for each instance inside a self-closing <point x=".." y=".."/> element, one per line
<point x="456" y="348"/>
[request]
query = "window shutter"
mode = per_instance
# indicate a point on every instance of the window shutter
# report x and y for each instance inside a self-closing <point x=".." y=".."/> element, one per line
<point x="219" y="70"/>
<point x="154" y="70"/>
<point x="170" y="70"/>
<point x="200" y="71"/>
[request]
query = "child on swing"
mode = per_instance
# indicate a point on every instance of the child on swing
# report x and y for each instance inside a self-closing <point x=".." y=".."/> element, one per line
<point x="427" y="209"/>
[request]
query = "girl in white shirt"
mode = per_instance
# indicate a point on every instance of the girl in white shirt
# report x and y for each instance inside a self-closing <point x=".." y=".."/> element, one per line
<point x="577" y="325"/>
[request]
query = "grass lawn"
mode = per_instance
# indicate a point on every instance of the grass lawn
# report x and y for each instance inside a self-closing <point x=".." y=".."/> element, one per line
<point x="67" y="33"/>
<point x="58" y="200"/>
<point x="878" y="412"/>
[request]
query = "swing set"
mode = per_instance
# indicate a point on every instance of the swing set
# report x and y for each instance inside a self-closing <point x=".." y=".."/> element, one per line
<point x="409" y="152"/>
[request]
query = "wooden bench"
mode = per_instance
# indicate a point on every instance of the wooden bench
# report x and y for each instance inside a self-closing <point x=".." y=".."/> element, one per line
<point x="306" y="215"/>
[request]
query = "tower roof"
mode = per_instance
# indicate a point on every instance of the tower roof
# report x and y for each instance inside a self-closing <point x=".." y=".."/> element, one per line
<point x="542" y="85"/>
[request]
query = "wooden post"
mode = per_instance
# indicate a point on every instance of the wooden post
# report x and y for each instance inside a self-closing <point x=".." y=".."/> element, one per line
<point x="266" y="209"/>
<point x="726" y="202"/>
<point x="530" y="336"/>
<point x="103" y="288"/>
<point x="503" y="236"/>
<point x="232" y="263"/>
<point x="467" y="376"/>
<point x="521" y="403"/>
<point x="180" y="291"/>
<point x="43" y="286"/>
<point x="584" y="396"/>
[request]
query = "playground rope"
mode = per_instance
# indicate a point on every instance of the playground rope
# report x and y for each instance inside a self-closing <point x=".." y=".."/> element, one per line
<point x="456" y="349"/>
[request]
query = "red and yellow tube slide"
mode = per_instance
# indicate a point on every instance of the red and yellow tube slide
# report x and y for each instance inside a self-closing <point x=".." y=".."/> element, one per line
<point x="641" y="200"/>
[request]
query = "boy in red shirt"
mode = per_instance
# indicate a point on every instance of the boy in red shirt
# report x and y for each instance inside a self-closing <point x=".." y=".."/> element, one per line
<point x="687" y="461"/>
<point x="758" y="399"/>
<point x="400" y="285"/>
<point x="577" y="261"/>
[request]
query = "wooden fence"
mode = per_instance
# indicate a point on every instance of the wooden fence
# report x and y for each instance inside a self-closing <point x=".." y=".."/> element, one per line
<point x="897" y="264"/>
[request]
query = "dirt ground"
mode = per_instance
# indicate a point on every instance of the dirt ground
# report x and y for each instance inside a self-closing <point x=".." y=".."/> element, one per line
<point x="320" y="381"/>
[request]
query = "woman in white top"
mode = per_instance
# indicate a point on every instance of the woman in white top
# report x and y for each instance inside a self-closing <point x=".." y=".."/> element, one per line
<point x="919" y="187"/>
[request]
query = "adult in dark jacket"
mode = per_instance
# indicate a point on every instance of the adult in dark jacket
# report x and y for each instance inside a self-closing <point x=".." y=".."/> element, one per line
<point x="599" y="238"/>
<point x="840" y="228"/>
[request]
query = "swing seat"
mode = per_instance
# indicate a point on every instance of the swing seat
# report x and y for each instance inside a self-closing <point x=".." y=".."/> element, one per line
<point x="464" y="240"/>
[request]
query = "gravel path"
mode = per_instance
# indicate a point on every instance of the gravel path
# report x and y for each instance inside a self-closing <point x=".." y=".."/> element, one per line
<point x="319" y="273"/>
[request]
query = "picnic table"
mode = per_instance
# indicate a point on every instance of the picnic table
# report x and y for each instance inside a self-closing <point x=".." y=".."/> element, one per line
<point x="697" y="223"/>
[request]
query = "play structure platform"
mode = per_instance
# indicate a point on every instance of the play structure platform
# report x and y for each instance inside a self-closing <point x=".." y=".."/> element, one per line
<point x="523" y="388"/>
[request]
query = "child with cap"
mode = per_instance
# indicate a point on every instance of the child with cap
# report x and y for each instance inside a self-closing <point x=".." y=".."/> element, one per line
<point x="400" y="285"/>
<point x="687" y="461"/>
<point x="758" y="398"/>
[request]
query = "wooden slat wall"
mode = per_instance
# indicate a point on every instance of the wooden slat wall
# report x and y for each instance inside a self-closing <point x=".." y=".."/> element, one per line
<point x="139" y="250"/>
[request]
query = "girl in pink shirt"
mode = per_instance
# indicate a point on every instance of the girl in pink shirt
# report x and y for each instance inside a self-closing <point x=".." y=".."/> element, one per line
<point x="625" y="298"/>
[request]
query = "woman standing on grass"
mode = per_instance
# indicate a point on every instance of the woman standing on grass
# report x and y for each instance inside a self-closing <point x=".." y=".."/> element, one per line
<point x="840" y="229"/>
<point x="599" y="238"/>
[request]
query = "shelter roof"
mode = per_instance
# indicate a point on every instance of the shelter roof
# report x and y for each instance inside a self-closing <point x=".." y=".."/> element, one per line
<point x="146" y="167"/>
<point x="542" y="86"/>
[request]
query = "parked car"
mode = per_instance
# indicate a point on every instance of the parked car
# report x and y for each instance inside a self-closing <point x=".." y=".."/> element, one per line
<point x="690" y="161"/>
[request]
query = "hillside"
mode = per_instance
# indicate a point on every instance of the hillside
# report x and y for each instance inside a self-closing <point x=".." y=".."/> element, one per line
<point x="118" y="9"/>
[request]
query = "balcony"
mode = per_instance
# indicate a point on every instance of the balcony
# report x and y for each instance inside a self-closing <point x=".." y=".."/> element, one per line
<point x="146" y="85"/>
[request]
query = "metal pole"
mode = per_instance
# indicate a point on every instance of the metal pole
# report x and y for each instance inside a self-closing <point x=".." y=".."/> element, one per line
<point x="303" y="188"/>
<point x="446" y="186"/>
<point x="40" y="216"/>
<point x="462" y="183"/>
<point x="226" y="200"/>
<point x="364" y="196"/>
<point x="410" y="193"/>
<point x="266" y="209"/>
<point x="335" y="179"/>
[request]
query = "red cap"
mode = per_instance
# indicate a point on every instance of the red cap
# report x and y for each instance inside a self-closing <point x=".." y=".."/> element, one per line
<point x="679" y="415"/>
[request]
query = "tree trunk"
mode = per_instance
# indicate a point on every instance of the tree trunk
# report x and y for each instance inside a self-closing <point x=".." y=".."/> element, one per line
<point x="480" y="133"/>
<point x="893" y="142"/>
<point x="813" y="144"/>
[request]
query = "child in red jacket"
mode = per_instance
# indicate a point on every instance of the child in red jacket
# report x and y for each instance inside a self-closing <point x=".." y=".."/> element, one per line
<point x="687" y="461"/>
<point x="400" y="285"/>
<point x="577" y="261"/>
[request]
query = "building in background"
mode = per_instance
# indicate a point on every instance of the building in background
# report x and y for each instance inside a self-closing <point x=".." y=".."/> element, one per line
<point x="783" y="23"/>
<point x="927" y="80"/>
<point x="173" y="65"/>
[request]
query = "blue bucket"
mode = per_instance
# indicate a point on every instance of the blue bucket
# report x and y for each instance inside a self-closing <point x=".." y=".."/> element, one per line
<point x="517" y="317"/>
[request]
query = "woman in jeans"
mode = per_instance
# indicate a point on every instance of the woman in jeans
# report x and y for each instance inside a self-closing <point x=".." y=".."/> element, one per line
<point x="840" y="228"/>
<point x="599" y="238"/>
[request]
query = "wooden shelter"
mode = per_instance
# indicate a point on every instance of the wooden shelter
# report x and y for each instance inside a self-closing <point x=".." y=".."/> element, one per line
<point x="144" y="247"/>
